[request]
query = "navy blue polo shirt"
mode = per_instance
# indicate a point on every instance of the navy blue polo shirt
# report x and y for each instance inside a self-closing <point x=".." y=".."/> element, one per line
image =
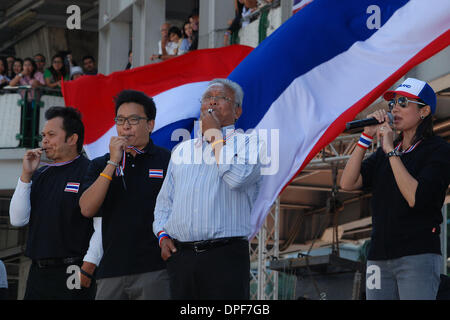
<point x="56" y="227"/>
<point x="129" y="245"/>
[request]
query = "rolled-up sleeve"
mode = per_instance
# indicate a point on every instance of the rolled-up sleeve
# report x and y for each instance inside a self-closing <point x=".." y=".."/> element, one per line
<point x="164" y="202"/>
<point x="240" y="163"/>
<point x="95" y="252"/>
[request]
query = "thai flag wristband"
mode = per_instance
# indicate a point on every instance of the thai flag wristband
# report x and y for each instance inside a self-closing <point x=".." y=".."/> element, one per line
<point x="365" y="141"/>
<point x="162" y="235"/>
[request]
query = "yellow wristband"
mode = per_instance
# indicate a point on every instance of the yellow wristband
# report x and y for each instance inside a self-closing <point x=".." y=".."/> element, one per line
<point x="216" y="142"/>
<point x="106" y="176"/>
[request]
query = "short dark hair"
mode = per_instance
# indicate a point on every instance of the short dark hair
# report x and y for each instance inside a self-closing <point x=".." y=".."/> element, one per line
<point x="88" y="57"/>
<point x="40" y="55"/>
<point x="138" y="97"/>
<point x="33" y="63"/>
<point x="71" y="122"/>
<point x="175" y="30"/>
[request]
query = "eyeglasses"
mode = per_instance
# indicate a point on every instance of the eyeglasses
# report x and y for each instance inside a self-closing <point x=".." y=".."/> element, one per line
<point x="402" y="102"/>
<point x="37" y="60"/>
<point x="215" y="98"/>
<point x="57" y="61"/>
<point x="120" y="121"/>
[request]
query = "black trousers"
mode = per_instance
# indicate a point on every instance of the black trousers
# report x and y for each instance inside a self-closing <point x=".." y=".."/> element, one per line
<point x="4" y="294"/>
<point x="221" y="273"/>
<point x="52" y="284"/>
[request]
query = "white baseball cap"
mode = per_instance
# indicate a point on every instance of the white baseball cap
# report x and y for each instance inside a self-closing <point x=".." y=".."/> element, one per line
<point x="416" y="89"/>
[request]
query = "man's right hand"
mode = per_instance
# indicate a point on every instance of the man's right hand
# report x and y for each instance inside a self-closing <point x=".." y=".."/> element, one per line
<point x="167" y="248"/>
<point x="30" y="163"/>
<point x="116" y="147"/>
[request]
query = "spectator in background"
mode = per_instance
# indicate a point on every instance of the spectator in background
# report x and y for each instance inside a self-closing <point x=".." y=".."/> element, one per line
<point x="40" y="62"/>
<point x="3" y="282"/>
<point x="4" y="80"/>
<point x="249" y="7"/>
<point x="89" y="67"/>
<point x="9" y="67"/>
<point x="17" y="67"/>
<point x="56" y="72"/>
<point x="172" y="47"/>
<point x="175" y="37"/>
<point x="130" y="60"/>
<point x="29" y="75"/>
<point x="76" y="72"/>
<point x="68" y="61"/>
<point x="194" y="20"/>
<point x="235" y="24"/>
<point x="187" y="38"/>
<point x="162" y="44"/>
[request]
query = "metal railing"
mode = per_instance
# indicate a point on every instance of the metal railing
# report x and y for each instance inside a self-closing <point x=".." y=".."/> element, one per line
<point x="20" y="127"/>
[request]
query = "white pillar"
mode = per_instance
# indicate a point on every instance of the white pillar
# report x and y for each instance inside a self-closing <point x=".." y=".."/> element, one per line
<point x="114" y="35"/>
<point x="147" y="19"/>
<point x="286" y="9"/>
<point x="114" y="45"/>
<point x="214" y="15"/>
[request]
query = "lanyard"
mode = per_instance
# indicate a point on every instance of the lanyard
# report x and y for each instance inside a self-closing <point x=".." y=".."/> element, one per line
<point x="411" y="148"/>
<point x="120" y="169"/>
<point x="59" y="164"/>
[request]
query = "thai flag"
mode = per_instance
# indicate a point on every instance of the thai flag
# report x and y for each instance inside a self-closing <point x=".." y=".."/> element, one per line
<point x="72" y="187"/>
<point x="176" y="86"/>
<point x="326" y="64"/>
<point x="155" y="173"/>
<point x="316" y="72"/>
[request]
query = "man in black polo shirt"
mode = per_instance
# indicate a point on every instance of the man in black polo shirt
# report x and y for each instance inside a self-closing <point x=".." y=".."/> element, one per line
<point x="46" y="198"/>
<point x="121" y="187"/>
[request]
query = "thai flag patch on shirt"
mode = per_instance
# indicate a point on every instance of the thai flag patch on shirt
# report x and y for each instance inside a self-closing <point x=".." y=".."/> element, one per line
<point x="155" y="173"/>
<point x="72" y="187"/>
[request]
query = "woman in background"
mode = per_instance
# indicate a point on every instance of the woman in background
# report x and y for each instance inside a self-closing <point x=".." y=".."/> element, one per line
<point x="56" y="72"/>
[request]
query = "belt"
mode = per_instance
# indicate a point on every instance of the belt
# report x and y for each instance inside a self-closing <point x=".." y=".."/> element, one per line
<point x="202" y="246"/>
<point x="57" y="262"/>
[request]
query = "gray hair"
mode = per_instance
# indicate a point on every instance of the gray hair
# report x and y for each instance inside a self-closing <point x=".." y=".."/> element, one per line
<point x="233" y="86"/>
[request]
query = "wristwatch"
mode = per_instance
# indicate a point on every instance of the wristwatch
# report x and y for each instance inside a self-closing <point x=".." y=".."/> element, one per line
<point x="393" y="153"/>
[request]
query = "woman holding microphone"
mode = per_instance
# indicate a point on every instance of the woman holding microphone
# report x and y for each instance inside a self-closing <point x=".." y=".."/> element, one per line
<point x="408" y="177"/>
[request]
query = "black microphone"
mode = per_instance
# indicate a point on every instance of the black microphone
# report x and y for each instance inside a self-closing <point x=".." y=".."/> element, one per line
<point x="366" y="122"/>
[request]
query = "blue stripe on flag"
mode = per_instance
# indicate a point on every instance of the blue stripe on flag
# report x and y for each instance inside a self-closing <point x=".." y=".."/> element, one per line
<point x="162" y="136"/>
<point x="316" y="34"/>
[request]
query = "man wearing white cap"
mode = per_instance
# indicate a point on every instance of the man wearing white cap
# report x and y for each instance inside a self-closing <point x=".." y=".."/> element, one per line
<point x="408" y="177"/>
